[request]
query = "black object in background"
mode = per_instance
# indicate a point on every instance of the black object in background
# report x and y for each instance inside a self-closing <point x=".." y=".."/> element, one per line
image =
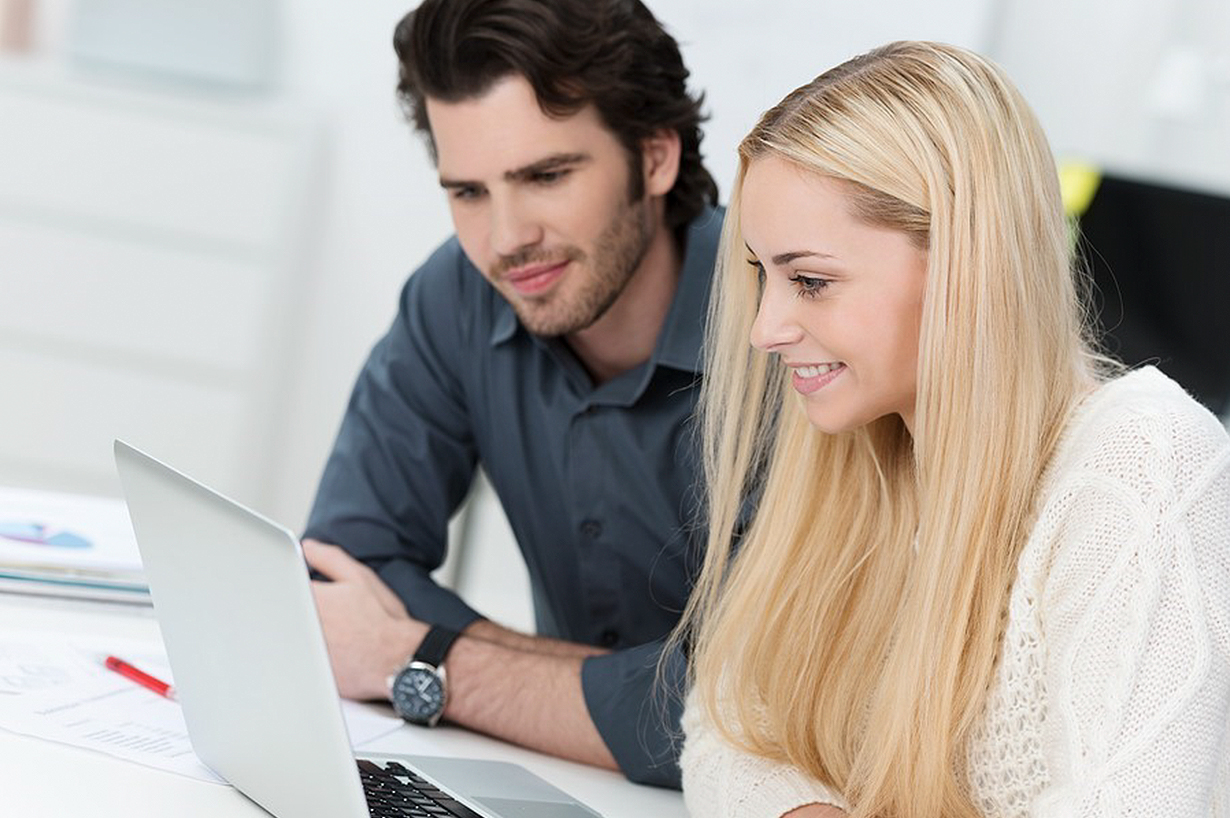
<point x="1160" y="260"/>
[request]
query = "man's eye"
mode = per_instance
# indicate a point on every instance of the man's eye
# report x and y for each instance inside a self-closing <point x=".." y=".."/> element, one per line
<point x="466" y="193"/>
<point x="549" y="177"/>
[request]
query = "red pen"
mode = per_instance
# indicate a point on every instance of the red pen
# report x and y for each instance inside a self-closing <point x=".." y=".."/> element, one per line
<point x="140" y="677"/>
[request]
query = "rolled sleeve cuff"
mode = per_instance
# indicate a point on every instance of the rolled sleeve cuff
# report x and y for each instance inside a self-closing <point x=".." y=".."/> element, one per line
<point x="424" y="599"/>
<point x="637" y="718"/>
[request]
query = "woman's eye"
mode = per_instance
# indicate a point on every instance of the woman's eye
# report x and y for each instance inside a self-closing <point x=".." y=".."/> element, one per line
<point x="758" y="268"/>
<point x="809" y="286"/>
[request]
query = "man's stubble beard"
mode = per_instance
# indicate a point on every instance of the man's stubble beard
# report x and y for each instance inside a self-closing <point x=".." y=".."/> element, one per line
<point x="617" y="254"/>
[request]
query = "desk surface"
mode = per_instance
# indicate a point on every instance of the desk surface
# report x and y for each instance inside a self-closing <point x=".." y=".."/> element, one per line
<point x="43" y="779"/>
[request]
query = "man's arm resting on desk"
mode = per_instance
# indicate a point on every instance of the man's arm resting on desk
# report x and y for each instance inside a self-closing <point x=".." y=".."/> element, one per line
<point x="490" y="631"/>
<point x="525" y="696"/>
<point x="528" y="698"/>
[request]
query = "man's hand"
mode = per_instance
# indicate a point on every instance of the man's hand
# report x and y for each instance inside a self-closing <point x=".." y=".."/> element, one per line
<point x="367" y="630"/>
<point x="519" y="688"/>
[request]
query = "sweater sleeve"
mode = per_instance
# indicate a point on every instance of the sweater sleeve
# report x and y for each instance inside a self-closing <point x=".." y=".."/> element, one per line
<point x="722" y="781"/>
<point x="1136" y="613"/>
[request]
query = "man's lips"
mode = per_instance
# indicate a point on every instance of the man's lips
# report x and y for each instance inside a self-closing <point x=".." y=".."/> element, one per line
<point x="535" y="278"/>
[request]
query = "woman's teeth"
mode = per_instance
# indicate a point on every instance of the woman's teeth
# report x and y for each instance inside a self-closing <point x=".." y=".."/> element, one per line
<point x="818" y="370"/>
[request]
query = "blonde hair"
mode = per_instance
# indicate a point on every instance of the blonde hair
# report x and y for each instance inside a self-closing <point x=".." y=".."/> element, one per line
<point x="856" y="632"/>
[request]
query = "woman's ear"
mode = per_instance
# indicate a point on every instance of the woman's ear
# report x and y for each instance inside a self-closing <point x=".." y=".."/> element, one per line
<point x="660" y="154"/>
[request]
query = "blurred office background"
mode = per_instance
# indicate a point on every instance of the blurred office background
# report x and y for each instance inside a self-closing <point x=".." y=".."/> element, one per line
<point x="208" y="207"/>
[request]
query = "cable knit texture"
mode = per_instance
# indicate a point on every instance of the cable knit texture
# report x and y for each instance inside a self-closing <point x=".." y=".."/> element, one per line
<point x="1111" y="697"/>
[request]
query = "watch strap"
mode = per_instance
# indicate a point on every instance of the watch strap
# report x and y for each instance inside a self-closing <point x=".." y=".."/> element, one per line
<point x="435" y="645"/>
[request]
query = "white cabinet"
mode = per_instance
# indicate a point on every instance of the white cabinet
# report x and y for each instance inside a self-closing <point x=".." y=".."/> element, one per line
<point x="154" y="252"/>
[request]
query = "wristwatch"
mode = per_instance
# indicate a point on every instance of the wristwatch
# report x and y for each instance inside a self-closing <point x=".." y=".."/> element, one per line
<point x="418" y="690"/>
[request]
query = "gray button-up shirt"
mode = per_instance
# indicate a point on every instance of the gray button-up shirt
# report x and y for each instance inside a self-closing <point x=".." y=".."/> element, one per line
<point x="600" y="484"/>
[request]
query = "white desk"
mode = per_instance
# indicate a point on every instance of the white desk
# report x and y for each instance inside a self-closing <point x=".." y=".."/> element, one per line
<point x="43" y="779"/>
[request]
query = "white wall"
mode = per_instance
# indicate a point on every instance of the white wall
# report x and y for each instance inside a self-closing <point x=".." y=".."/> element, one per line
<point x="382" y="216"/>
<point x="1136" y="85"/>
<point x="746" y="56"/>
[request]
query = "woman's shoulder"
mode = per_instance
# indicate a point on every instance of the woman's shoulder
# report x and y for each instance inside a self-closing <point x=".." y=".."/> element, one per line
<point x="1141" y="430"/>
<point x="1148" y="396"/>
<point x="1117" y="618"/>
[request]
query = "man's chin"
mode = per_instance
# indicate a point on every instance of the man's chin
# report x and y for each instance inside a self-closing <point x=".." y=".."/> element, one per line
<point x="551" y="326"/>
<point x="552" y="319"/>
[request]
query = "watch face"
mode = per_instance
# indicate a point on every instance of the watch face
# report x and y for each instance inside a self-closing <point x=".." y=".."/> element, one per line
<point x="418" y="694"/>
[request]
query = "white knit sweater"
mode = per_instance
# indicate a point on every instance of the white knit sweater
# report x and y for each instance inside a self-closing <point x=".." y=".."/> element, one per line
<point x="1112" y="692"/>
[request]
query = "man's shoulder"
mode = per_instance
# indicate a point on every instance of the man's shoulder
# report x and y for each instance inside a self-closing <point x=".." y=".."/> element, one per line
<point x="705" y="231"/>
<point x="447" y="268"/>
<point x="683" y="333"/>
<point x="446" y="297"/>
<point x="448" y="279"/>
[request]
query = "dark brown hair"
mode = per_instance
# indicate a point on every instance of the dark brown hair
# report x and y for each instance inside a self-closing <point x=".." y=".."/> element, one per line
<point x="610" y="53"/>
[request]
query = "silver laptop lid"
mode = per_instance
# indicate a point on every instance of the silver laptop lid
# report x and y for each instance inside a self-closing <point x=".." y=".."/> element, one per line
<point x="235" y="606"/>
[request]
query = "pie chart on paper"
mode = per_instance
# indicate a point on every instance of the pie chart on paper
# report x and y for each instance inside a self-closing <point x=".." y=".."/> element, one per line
<point x="39" y="534"/>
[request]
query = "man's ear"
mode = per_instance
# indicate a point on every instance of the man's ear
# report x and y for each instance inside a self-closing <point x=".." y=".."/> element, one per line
<point x="660" y="161"/>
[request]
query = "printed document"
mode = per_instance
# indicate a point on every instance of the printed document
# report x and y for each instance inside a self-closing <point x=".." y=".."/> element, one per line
<point x="58" y="689"/>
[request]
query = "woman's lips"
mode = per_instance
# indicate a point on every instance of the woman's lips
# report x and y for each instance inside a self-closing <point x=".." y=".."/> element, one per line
<point x="814" y="383"/>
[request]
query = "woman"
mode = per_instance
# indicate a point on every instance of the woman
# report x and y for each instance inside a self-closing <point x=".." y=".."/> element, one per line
<point x="987" y="574"/>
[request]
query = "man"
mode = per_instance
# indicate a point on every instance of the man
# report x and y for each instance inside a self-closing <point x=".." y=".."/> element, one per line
<point x="556" y="341"/>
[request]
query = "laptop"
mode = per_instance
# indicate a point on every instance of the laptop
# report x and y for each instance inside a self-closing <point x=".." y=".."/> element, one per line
<point x="234" y="602"/>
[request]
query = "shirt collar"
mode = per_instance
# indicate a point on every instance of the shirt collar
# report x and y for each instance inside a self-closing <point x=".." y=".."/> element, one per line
<point x="683" y="332"/>
<point x="505" y="324"/>
<point x="679" y="343"/>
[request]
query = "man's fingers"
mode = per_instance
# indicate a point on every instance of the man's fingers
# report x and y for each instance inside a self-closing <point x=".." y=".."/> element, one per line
<point x="335" y="564"/>
<point x="340" y="566"/>
<point x="332" y="561"/>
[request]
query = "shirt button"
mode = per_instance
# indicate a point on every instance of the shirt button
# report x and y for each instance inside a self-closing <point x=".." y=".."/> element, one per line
<point x="608" y="639"/>
<point x="591" y="529"/>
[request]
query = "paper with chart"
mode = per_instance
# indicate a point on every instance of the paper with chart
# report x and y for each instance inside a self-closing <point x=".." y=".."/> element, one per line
<point x="43" y="529"/>
<point x="54" y="544"/>
<point x="58" y="689"/>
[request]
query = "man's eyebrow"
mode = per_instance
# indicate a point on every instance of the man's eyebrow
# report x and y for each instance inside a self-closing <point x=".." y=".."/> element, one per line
<point x="545" y="165"/>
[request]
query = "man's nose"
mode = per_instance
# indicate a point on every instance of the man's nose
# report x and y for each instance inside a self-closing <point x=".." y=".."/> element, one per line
<point x="513" y="226"/>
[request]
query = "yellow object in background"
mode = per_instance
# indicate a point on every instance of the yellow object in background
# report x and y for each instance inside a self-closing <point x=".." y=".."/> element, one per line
<point x="1078" y="182"/>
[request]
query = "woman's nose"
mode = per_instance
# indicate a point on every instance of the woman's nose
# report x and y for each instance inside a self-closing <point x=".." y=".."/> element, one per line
<point x="775" y="327"/>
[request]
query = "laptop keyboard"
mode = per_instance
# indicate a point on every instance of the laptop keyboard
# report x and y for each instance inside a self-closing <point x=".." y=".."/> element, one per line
<point x="393" y="791"/>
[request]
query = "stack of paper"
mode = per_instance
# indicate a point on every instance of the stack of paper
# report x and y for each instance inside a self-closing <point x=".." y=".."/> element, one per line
<point x="69" y="545"/>
<point x="57" y="688"/>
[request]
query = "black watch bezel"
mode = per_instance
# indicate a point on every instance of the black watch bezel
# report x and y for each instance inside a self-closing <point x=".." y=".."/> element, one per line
<point x="414" y="702"/>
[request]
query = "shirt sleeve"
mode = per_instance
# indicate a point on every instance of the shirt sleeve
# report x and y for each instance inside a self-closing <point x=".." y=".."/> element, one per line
<point x="722" y="781"/>
<point x="1136" y="613"/>
<point x="405" y="456"/>
<point x="636" y="712"/>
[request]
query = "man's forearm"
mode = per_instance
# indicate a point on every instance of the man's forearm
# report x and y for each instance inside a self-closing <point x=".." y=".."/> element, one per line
<point x="489" y="631"/>
<point x="529" y="698"/>
<point x="518" y="688"/>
